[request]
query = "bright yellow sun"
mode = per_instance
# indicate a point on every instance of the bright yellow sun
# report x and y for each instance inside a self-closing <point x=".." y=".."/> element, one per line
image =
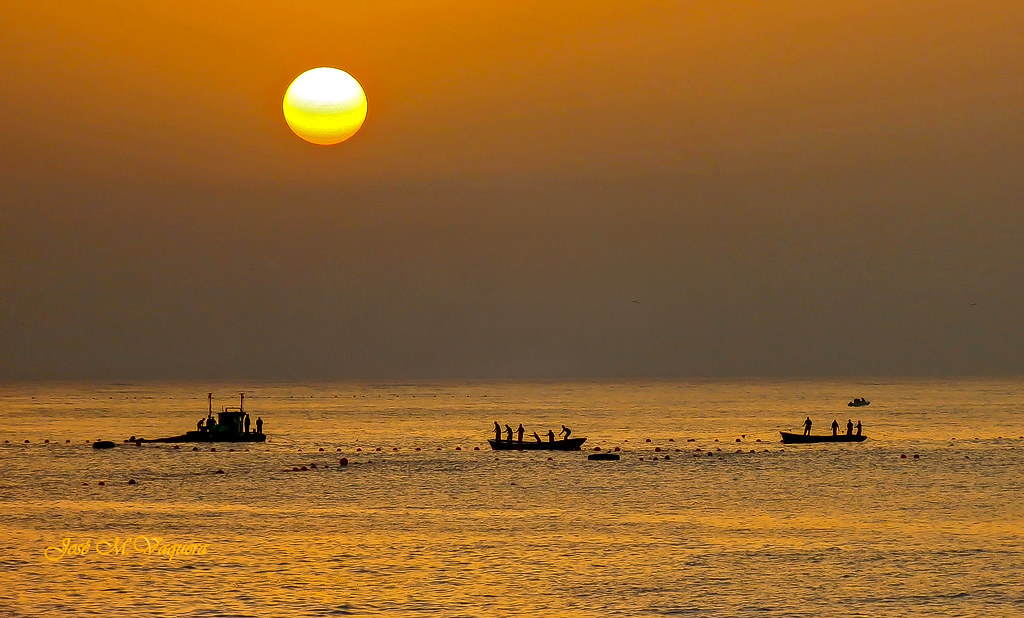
<point x="325" y="106"/>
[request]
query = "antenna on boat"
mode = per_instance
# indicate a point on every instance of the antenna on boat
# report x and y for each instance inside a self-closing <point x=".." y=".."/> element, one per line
<point x="241" y="402"/>
<point x="209" y="396"/>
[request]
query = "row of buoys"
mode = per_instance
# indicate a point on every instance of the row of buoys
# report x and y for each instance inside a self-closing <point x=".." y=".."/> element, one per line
<point x="904" y="456"/>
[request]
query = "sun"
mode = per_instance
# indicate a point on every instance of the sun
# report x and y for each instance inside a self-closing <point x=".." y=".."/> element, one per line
<point x="325" y="106"/>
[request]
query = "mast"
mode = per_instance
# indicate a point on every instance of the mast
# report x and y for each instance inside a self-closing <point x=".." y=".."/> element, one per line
<point x="209" y="396"/>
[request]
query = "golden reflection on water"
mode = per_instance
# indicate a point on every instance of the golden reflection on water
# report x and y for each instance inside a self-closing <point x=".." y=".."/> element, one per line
<point x="814" y="530"/>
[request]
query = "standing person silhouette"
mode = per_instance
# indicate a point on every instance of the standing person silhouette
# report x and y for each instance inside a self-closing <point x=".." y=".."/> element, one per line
<point x="246" y="423"/>
<point x="807" y="426"/>
<point x="835" y="427"/>
<point x="519" y="433"/>
<point x="858" y="427"/>
<point x="566" y="431"/>
<point x="849" y="427"/>
<point x="497" y="432"/>
<point x="551" y="435"/>
<point x="259" y="425"/>
<point x="508" y="434"/>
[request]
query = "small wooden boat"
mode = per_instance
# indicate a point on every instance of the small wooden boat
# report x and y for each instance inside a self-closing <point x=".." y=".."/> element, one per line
<point x="799" y="438"/>
<point x="229" y="427"/>
<point x="569" y="444"/>
<point x="858" y="402"/>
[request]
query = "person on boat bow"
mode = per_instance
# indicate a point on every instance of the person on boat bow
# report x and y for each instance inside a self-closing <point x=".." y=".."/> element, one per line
<point x="497" y="432"/>
<point x="807" y="426"/>
<point x="519" y="433"/>
<point x="858" y="427"/>
<point x="835" y="427"/>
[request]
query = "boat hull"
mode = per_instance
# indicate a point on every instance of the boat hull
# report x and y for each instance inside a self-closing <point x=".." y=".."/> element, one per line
<point x="202" y="436"/>
<point x="570" y="444"/>
<point x="798" y="438"/>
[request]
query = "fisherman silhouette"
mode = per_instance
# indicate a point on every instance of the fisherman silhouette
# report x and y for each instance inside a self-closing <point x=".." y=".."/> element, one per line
<point x="849" y="427"/>
<point x="519" y="432"/>
<point x="536" y="437"/>
<point x="497" y="432"/>
<point x="566" y="431"/>
<point x="259" y="425"/>
<point x="807" y="426"/>
<point x="551" y="435"/>
<point x="246" y="423"/>
<point x="508" y="434"/>
<point x="210" y="423"/>
<point x="858" y="427"/>
<point x="835" y="427"/>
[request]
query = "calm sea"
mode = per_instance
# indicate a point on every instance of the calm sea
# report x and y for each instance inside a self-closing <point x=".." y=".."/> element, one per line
<point x="706" y="513"/>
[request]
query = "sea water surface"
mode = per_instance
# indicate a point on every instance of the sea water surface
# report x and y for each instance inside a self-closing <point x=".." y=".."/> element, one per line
<point x="705" y="514"/>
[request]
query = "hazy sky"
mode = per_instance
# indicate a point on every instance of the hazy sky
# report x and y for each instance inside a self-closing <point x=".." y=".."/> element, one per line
<point x="541" y="189"/>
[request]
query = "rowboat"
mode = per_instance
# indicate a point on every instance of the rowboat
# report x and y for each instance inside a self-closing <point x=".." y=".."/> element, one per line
<point x="799" y="438"/>
<point x="569" y="444"/>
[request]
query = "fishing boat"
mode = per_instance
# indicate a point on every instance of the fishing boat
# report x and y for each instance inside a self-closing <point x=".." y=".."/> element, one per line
<point x="799" y="438"/>
<point x="229" y="427"/>
<point x="569" y="444"/>
<point x="858" y="402"/>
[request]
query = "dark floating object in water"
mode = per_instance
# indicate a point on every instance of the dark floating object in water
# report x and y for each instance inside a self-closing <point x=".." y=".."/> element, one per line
<point x="131" y="481"/>
<point x="858" y="402"/>
<point x="103" y="444"/>
<point x="798" y="438"/>
<point x="569" y="444"/>
<point x="603" y="457"/>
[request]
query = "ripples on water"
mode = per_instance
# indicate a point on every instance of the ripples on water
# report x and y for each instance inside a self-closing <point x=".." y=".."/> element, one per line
<point x="804" y="530"/>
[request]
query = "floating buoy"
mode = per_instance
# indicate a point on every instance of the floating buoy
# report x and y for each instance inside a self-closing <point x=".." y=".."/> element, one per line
<point x="552" y="458"/>
<point x="295" y="469"/>
<point x="671" y="439"/>
<point x="195" y="448"/>
<point x="597" y="448"/>
<point x="698" y="449"/>
<point x="231" y="450"/>
<point x="394" y="448"/>
<point x="738" y="440"/>
<point x="219" y="472"/>
<point x="312" y="466"/>
<point x="101" y="483"/>
<point x="67" y="441"/>
<point x="85" y="484"/>
<point x="213" y="449"/>
<point x="916" y="456"/>
<point x="657" y="449"/>
<point x="131" y="481"/>
<point x="378" y="448"/>
<point x="716" y="439"/>
<point x="719" y="450"/>
<point x="759" y="439"/>
<point x="692" y="440"/>
<point x="26" y="441"/>
<point x="655" y="458"/>
<point x="418" y="449"/>
<point x="476" y="448"/>
<point x="343" y="462"/>
<point x="337" y="450"/>
<point x="458" y="448"/>
<point x="647" y="440"/>
<point x="616" y="449"/>
<point x="321" y="449"/>
<point x="46" y="441"/>
<point x="641" y="459"/>
<point x="903" y="456"/>
<point x="359" y="450"/>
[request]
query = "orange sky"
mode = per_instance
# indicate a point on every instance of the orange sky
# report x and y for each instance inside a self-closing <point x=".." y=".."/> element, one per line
<point x="786" y="187"/>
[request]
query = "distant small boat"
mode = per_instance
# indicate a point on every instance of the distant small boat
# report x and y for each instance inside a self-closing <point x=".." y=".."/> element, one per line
<point x="569" y="444"/>
<point x="230" y="427"/>
<point x="799" y="438"/>
<point x="858" y="402"/>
